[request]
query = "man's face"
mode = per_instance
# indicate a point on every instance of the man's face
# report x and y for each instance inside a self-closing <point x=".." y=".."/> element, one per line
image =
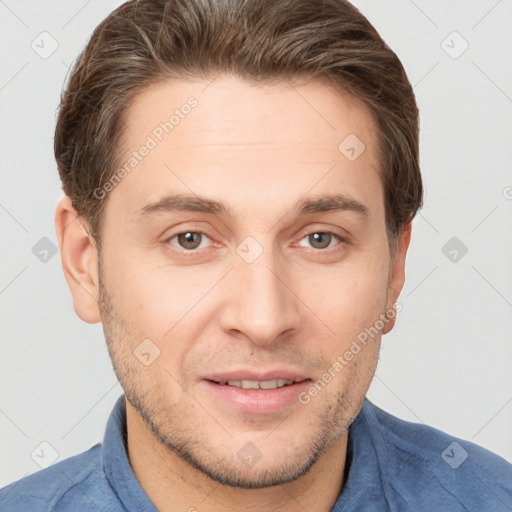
<point x="262" y="291"/>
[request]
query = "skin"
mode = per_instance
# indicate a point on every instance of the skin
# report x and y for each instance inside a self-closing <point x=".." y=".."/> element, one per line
<point x="258" y="149"/>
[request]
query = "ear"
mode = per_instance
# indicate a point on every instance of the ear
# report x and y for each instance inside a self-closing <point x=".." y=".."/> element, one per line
<point x="79" y="260"/>
<point x="397" y="273"/>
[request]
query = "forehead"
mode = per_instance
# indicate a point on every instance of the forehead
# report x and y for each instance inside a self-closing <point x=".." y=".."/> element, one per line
<point x="309" y="111"/>
<point x="246" y="144"/>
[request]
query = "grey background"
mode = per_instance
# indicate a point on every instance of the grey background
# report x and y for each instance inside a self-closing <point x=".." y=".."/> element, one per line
<point x="446" y="363"/>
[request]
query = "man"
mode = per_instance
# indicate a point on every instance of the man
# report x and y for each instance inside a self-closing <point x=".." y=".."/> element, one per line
<point x="240" y="180"/>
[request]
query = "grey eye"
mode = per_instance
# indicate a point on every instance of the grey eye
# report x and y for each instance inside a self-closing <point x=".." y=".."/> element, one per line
<point x="189" y="239"/>
<point x="321" y="239"/>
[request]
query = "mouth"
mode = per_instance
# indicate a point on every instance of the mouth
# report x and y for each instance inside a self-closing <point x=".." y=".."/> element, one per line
<point x="255" y="394"/>
<point x="258" y="384"/>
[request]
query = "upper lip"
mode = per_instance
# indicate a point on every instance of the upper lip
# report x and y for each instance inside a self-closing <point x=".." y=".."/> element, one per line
<point x="274" y="374"/>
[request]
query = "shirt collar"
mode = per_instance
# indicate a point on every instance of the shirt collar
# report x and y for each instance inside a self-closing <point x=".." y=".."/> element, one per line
<point x="363" y="485"/>
<point x="116" y="465"/>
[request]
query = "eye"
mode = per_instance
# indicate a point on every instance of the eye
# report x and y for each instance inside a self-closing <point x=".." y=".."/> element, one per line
<point x="189" y="240"/>
<point x="322" y="239"/>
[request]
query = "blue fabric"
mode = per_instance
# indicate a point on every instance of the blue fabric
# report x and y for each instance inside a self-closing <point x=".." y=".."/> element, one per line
<point x="393" y="465"/>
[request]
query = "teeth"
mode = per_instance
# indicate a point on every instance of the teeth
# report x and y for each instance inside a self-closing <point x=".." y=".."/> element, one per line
<point x="254" y="384"/>
<point x="271" y="384"/>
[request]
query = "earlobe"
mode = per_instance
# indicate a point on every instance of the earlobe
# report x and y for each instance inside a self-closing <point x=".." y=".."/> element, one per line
<point x="79" y="258"/>
<point x="397" y="274"/>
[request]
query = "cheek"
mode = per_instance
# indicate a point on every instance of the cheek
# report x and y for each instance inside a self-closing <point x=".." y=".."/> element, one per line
<point x="350" y="297"/>
<point x="350" y="304"/>
<point x="155" y="297"/>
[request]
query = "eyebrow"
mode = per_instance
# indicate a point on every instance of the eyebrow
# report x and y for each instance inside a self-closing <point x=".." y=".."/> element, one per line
<point x="305" y="206"/>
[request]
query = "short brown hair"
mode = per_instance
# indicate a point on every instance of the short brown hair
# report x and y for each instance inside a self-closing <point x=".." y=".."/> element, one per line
<point x="146" y="41"/>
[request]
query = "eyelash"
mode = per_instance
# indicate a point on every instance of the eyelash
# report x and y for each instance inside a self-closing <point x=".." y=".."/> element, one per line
<point x="341" y="240"/>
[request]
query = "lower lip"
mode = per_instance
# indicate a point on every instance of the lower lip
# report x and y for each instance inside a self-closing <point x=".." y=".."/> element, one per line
<point x="258" y="401"/>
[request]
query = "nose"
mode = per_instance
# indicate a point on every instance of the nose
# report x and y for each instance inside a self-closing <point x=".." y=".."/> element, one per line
<point x="260" y="302"/>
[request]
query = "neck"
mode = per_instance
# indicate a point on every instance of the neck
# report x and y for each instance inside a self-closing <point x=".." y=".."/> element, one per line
<point x="172" y="484"/>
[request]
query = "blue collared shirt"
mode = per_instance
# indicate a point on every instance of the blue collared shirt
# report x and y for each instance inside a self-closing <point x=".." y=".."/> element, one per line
<point x="393" y="465"/>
